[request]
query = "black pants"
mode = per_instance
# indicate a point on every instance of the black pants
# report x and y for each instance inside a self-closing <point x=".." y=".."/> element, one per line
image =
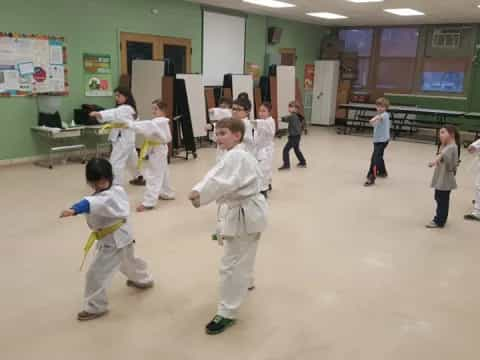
<point x="293" y="142"/>
<point x="443" y="203"/>
<point x="377" y="164"/>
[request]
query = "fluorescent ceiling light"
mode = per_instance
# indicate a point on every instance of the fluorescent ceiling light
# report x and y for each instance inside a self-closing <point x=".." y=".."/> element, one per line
<point x="364" y="1"/>
<point x="404" y="12"/>
<point x="327" y="15"/>
<point x="270" y="3"/>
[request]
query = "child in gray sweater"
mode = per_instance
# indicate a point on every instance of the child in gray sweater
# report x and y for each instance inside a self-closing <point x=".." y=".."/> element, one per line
<point x="443" y="180"/>
<point x="295" y="128"/>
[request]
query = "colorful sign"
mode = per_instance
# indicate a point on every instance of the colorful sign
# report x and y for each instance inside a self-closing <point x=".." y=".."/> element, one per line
<point x="97" y="75"/>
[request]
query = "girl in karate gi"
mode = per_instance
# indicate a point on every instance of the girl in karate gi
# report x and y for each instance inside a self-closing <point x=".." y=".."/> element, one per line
<point x="107" y="211"/>
<point x="475" y="214"/>
<point x="122" y="136"/>
<point x="157" y="136"/>
<point x="265" y="129"/>
<point x="234" y="182"/>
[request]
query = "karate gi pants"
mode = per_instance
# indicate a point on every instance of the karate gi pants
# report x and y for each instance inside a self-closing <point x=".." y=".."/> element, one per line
<point x="476" y="207"/>
<point x="157" y="176"/>
<point x="236" y="272"/>
<point x="124" y="156"/>
<point x="108" y="259"/>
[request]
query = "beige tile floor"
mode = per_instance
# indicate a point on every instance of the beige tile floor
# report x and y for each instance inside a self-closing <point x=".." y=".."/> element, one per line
<point x="343" y="272"/>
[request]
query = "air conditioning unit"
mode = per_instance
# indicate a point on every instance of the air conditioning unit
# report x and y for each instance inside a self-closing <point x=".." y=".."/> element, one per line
<point x="447" y="38"/>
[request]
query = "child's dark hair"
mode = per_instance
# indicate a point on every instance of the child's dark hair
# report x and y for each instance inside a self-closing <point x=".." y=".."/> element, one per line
<point x="162" y="105"/>
<point x="453" y="131"/>
<point x="128" y="95"/>
<point x="244" y="103"/>
<point x="235" y="126"/>
<point x="267" y="105"/>
<point x="226" y="100"/>
<point x="243" y="95"/>
<point x="98" y="169"/>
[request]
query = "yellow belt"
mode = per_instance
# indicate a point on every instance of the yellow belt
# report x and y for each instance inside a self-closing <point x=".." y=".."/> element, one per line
<point x="107" y="127"/>
<point x="98" y="235"/>
<point x="147" y="144"/>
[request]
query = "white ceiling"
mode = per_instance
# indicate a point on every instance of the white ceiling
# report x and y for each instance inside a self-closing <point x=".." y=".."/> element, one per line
<point x="437" y="11"/>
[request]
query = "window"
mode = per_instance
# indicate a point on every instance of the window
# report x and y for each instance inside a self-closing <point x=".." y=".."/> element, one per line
<point x="396" y="63"/>
<point x="444" y="75"/>
<point x="358" y="48"/>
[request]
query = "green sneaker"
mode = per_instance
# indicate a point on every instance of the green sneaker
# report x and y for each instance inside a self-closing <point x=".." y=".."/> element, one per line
<point x="214" y="237"/>
<point x="218" y="325"/>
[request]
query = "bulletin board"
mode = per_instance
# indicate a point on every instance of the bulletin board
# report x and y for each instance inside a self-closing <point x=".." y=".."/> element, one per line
<point x="32" y="64"/>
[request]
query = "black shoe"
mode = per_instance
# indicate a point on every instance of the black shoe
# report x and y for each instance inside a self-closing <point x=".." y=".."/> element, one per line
<point x="251" y="288"/>
<point x="140" y="286"/>
<point x="369" y="183"/>
<point x="302" y="165"/>
<point x="383" y="175"/>
<point x="218" y="325"/>
<point x="471" y="217"/>
<point x="264" y="193"/>
<point x="270" y="187"/>
<point x="139" y="181"/>
<point x="284" y="168"/>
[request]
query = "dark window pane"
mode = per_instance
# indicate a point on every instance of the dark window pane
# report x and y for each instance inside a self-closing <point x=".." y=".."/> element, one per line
<point x="399" y="42"/>
<point x="177" y="55"/>
<point x="138" y="51"/>
<point x="395" y="74"/>
<point x="357" y="40"/>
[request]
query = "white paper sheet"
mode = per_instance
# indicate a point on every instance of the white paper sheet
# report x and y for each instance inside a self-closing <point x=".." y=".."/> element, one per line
<point x="56" y="55"/>
<point x="56" y="78"/>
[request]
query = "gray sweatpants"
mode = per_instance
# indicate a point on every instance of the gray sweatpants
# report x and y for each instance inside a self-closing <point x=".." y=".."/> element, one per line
<point x="108" y="259"/>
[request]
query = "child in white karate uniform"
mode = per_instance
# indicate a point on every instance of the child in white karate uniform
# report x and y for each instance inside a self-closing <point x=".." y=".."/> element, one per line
<point x="157" y="136"/>
<point x="124" y="155"/>
<point x="107" y="212"/>
<point x="475" y="214"/>
<point x="265" y="128"/>
<point x="241" y="111"/>
<point x="235" y="184"/>
<point x="224" y="111"/>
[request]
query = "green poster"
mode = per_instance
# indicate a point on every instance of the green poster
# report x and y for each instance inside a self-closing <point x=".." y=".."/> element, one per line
<point x="97" y="75"/>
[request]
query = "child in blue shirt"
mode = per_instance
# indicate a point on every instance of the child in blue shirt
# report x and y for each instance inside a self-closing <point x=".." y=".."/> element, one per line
<point x="381" y="138"/>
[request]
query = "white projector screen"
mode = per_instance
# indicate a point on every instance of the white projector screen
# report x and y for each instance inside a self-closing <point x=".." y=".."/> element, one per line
<point x="223" y="46"/>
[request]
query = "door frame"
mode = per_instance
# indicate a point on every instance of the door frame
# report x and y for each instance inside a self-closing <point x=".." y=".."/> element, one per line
<point x="158" y="42"/>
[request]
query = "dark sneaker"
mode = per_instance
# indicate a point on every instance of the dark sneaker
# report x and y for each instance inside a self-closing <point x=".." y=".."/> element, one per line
<point x="284" y="168"/>
<point x="471" y="217"/>
<point x="218" y="325"/>
<point x="140" y="286"/>
<point x="251" y="288"/>
<point x="139" y="181"/>
<point x="270" y="187"/>
<point x="369" y="183"/>
<point x="264" y="193"/>
<point x="385" y="175"/>
<point x="302" y="165"/>
<point x="86" y="316"/>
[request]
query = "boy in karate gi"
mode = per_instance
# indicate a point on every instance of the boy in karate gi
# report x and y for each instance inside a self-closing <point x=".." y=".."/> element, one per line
<point x="265" y="145"/>
<point x="121" y="136"/>
<point x="241" y="111"/>
<point x="157" y="136"/>
<point x="107" y="212"/>
<point x="234" y="182"/>
<point x="475" y="214"/>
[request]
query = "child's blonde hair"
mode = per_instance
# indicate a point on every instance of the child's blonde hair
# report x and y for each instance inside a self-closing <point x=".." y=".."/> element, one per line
<point x="383" y="102"/>
<point x="294" y="104"/>
<point x="162" y="105"/>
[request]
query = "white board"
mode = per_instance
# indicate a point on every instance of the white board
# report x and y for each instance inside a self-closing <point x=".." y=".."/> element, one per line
<point x="223" y="46"/>
<point x="147" y="76"/>
<point x="196" y="102"/>
<point x="244" y="83"/>
<point x="285" y="91"/>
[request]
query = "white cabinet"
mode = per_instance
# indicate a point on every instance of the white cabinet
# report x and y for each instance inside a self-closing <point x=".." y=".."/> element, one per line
<point x="325" y="92"/>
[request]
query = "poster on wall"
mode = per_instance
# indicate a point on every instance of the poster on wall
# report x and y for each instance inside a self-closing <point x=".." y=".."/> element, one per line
<point x="97" y="75"/>
<point x="32" y="64"/>
<point x="309" y="76"/>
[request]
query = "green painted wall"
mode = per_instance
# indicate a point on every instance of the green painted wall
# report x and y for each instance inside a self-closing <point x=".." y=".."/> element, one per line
<point x="93" y="26"/>
<point x="305" y="38"/>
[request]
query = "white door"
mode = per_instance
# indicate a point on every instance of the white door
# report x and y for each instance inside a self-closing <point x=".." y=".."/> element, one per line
<point x="244" y="83"/>
<point x="285" y="91"/>
<point x="325" y="92"/>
